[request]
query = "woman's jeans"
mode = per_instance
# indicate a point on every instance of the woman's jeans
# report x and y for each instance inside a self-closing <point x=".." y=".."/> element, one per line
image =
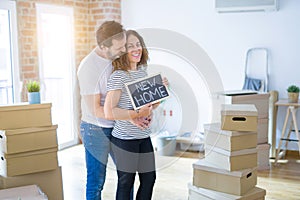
<point x="134" y="156"/>
<point x="96" y="141"/>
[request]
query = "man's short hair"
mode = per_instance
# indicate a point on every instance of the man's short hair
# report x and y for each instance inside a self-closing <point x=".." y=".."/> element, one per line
<point x="108" y="31"/>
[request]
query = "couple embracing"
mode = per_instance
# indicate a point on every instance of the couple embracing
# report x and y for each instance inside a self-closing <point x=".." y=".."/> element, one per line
<point x="109" y="124"/>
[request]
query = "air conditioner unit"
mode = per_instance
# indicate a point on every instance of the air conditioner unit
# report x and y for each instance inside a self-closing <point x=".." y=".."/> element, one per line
<point x="223" y="6"/>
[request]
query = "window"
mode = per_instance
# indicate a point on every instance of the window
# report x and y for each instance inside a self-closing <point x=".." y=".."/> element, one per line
<point x="56" y="66"/>
<point x="9" y="68"/>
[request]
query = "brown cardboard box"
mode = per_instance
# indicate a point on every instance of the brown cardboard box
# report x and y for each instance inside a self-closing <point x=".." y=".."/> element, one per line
<point x="28" y="192"/>
<point x="196" y="193"/>
<point x="262" y="131"/>
<point x="29" y="162"/>
<point x="208" y="176"/>
<point x="28" y="139"/>
<point x="263" y="156"/>
<point x="25" y="115"/>
<point x="50" y="182"/>
<point x="239" y="117"/>
<point x="229" y="140"/>
<point x="260" y="100"/>
<point x="231" y="160"/>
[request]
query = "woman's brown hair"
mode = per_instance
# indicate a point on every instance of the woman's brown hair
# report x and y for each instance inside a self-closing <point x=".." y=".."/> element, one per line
<point x="122" y="63"/>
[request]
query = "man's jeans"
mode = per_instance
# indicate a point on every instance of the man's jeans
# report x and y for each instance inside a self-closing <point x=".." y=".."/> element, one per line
<point x="96" y="141"/>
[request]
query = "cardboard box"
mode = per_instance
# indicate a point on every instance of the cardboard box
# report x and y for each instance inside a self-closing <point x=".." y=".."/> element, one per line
<point x="210" y="177"/>
<point x="231" y="160"/>
<point x="262" y="131"/>
<point x="28" y="139"/>
<point x="50" y="182"/>
<point x="25" y="115"/>
<point x="228" y="140"/>
<point x="239" y="117"/>
<point x="29" y="192"/>
<point x="263" y="156"/>
<point x="260" y="100"/>
<point x="40" y="197"/>
<point x="26" y="198"/>
<point x="196" y="193"/>
<point x="29" y="162"/>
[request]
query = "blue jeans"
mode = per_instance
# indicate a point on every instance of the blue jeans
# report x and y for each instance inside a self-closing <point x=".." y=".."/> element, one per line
<point x="96" y="141"/>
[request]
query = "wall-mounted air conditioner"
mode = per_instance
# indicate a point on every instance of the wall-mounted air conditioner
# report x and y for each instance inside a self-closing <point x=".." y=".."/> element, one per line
<point x="223" y="6"/>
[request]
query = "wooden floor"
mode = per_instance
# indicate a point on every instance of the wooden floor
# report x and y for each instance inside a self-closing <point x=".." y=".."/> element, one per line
<point x="282" y="182"/>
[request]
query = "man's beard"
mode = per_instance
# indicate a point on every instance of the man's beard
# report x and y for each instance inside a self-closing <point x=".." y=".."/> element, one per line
<point x="114" y="56"/>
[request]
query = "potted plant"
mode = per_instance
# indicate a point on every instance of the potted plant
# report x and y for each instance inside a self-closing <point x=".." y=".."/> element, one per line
<point x="293" y="93"/>
<point x="33" y="88"/>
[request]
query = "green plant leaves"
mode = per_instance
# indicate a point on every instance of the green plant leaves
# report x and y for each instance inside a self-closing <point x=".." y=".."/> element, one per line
<point x="293" y="88"/>
<point x="33" y="86"/>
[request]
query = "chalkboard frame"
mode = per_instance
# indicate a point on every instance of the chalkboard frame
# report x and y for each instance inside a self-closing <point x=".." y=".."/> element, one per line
<point x="127" y="85"/>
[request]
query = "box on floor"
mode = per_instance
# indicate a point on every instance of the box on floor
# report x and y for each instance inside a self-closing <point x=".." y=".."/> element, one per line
<point x="28" y="192"/>
<point x="206" y="175"/>
<point x="50" y="182"/>
<point x="196" y="193"/>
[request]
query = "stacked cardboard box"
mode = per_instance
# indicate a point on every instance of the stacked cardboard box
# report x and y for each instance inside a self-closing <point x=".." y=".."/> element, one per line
<point x="229" y="169"/>
<point x="28" y="149"/>
<point x="28" y="192"/>
<point x="261" y="102"/>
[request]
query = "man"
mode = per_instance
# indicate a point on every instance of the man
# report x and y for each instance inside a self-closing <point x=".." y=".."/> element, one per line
<point x="93" y="73"/>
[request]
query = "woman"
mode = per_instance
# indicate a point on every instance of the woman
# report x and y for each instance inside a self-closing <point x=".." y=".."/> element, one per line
<point x="131" y="145"/>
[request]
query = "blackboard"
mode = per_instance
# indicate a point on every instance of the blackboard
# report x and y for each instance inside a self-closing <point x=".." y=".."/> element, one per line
<point x="147" y="90"/>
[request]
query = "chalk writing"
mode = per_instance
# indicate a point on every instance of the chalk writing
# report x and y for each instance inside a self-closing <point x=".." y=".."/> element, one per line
<point x="147" y="90"/>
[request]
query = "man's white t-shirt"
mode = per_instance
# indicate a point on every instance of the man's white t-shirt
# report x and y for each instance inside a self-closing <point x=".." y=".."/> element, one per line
<point x="93" y="74"/>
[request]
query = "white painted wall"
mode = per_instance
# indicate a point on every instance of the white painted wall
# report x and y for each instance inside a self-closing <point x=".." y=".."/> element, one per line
<point x="227" y="37"/>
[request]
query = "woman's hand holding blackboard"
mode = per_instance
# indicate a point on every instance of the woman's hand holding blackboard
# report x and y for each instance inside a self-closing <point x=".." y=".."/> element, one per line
<point x="165" y="81"/>
<point x="145" y="111"/>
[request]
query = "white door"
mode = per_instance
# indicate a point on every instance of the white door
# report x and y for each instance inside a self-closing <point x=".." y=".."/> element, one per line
<point x="9" y="68"/>
<point x="56" y="65"/>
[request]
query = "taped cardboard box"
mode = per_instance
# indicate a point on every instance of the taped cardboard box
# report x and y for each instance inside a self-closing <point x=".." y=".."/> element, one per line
<point x="50" y="182"/>
<point x="239" y="117"/>
<point x="207" y="175"/>
<point x="28" y="192"/>
<point x="29" y="162"/>
<point x="25" y="115"/>
<point x="231" y="160"/>
<point x="28" y="139"/>
<point x="196" y="193"/>
<point x="229" y="140"/>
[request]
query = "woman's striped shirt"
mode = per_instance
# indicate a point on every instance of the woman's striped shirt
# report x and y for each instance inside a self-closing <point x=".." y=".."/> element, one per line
<point x="124" y="129"/>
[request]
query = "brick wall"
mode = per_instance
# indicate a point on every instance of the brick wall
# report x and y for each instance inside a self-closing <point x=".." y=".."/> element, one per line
<point x="88" y="15"/>
<point x="101" y="11"/>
